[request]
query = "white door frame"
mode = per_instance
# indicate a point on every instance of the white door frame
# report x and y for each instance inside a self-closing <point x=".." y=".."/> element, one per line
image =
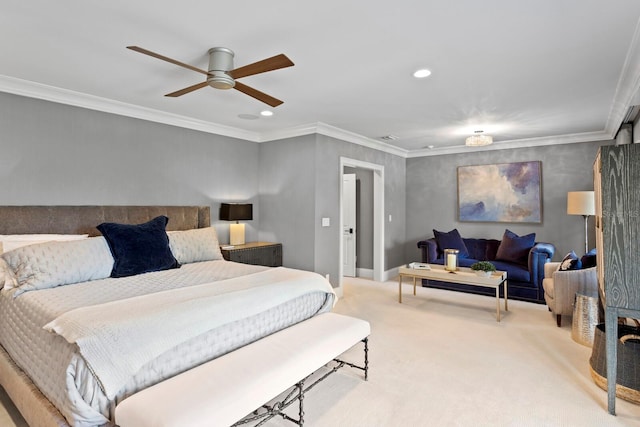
<point x="378" y="216"/>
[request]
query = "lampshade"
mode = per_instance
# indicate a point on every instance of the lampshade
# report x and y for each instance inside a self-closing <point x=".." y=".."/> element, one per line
<point x="478" y="140"/>
<point x="581" y="203"/>
<point x="236" y="211"/>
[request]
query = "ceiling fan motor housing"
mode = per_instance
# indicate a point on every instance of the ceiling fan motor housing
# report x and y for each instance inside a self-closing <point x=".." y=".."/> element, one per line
<point x="220" y="61"/>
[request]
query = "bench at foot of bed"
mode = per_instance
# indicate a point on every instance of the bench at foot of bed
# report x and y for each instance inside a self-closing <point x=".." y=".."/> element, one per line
<point x="227" y="389"/>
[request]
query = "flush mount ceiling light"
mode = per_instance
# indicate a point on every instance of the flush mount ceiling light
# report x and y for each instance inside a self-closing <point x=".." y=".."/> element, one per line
<point x="422" y="73"/>
<point x="478" y="139"/>
<point x="266" y="113"/>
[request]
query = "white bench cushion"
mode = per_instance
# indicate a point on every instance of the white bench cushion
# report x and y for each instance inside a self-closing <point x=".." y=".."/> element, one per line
<point x="226" y="389"/>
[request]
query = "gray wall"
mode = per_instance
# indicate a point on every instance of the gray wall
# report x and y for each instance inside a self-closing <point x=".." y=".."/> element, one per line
<point x="432" y="195"/>
<point x="287" y="198"/>
<point x="54" y="154"/>
<point x="302" y="175"/>
<point x="60" y="154"/>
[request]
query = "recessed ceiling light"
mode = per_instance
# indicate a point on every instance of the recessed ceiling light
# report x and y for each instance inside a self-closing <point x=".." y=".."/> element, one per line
<point x="266" y="113"/>
<point x="422" y="73"/>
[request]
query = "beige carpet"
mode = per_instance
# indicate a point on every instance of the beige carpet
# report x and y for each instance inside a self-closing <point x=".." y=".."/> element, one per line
<point x="441" y="359"/>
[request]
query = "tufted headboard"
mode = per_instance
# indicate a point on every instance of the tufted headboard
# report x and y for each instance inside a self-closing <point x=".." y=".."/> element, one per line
<point x="84" y="219"/>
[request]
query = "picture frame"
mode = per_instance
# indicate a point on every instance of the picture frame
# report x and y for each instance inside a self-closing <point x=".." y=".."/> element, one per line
<point x="502" y="192"/>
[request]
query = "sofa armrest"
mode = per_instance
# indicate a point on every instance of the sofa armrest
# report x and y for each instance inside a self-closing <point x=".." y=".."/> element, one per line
<point x="429" y="249"/>
<point x="550" y="268"/>
<point x="539" y="255"/>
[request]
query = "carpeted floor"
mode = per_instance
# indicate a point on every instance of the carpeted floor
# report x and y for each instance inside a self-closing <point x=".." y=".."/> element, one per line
<point x="441" y="359"/>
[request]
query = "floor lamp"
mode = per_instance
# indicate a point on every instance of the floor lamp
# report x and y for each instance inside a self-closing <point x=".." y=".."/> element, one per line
<point x="582" y="203"/>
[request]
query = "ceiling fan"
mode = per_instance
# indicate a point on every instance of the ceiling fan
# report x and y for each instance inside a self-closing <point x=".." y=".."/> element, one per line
<point x="222" y="75"/>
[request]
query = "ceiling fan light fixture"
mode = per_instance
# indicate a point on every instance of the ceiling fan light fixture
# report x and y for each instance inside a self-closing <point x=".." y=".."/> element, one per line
<point x="220" y="80"/>
<point x="478" y="139"/>
<point x="220" y="61"/>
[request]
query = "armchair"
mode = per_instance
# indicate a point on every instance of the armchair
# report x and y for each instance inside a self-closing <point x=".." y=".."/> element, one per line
<point x="560" y="288"/>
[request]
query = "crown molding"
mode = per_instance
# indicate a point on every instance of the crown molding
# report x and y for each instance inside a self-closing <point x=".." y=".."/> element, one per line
<point x="516" y="143"/>
<point x="627" y="88"/>
<point x="63" y="96"/>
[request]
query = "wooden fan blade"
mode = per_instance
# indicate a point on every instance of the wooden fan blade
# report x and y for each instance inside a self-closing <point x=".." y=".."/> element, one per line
<point x="269" y="64"/>
<point x="260" y="96"/>
<point x="164" y="58"/>
<point x="187" y="89"/>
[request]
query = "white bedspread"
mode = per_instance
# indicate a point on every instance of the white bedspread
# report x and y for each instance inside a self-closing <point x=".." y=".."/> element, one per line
<point x="110" y="336"/>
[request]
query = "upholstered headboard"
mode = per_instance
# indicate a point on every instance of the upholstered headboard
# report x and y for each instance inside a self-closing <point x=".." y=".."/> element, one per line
<point x="84" y="219"/>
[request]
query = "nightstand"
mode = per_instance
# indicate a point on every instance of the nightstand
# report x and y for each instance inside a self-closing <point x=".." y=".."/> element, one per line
<point x="257" y="253"/>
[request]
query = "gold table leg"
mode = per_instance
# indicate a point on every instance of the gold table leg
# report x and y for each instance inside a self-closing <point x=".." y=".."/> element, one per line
<point x="498" y="303"/>
<point x="506" y="308"/>
<point x="400" y="289"/>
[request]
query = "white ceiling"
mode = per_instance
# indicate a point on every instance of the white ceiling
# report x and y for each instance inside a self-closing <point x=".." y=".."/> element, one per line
<point x="527" y="72"/>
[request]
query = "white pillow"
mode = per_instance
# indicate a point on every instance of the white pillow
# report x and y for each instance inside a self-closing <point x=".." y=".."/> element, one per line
<point x="10" y="242"/>
<point x="6" y="275"/>
<point x="200" y="244"/>
<point x="51" y="264"/>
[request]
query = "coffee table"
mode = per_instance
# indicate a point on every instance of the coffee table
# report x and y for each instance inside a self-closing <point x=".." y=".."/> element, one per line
<point x="461" y="275"/>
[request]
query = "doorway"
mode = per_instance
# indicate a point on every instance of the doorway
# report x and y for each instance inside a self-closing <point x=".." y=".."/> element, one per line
<point x="378" y="215"/>
<point x="350" y="223"/>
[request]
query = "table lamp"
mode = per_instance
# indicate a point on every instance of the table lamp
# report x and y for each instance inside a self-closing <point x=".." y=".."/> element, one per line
<point x="236" y="212"/>
<point x="582" y="203"/>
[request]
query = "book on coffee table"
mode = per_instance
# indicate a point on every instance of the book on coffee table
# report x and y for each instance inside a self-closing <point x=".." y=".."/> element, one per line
<point x="419" y="266"/>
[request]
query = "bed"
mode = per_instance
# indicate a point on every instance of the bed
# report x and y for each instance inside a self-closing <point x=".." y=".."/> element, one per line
<point x="76" y="341"/>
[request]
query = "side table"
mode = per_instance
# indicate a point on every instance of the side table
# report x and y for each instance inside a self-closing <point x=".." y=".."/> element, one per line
<point x="257" y="253"/>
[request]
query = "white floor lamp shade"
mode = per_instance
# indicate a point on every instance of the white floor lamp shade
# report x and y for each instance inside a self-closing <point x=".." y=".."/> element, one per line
<point x="582" y="203"/>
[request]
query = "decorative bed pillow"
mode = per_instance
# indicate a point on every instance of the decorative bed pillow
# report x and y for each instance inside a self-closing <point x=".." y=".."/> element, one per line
<point x="196" y="245"/>
<point x="514" y="248"/>
<point x="9" y="242"/>
<point x="51" y="264"/>
<point x="451" y="240"/>
<point x="6" y="275"/>
<point x="570" y="262"/>
<point x="138" y="249"/>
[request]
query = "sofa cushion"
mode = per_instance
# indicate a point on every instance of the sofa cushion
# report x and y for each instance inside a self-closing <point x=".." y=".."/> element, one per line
<point x="451" y="240"/>
<point x="515" y="272"/>
<point x="570" y="262"/>
<point x="514" y="248"/>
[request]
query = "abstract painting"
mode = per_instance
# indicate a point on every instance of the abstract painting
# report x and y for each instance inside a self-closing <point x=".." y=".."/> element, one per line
<point x="506" y="192"/>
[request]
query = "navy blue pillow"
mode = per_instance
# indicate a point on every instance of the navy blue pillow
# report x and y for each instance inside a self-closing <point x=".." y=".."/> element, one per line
<point x="139" y="248"/>
<point x="589" y="259"/>
<point x="570" y="262"/>
<point x="514" y="248"/>
<point x="451" y="240"/>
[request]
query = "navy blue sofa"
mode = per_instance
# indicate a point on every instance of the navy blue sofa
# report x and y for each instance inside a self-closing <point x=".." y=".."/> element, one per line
<point x="524" y="282"/>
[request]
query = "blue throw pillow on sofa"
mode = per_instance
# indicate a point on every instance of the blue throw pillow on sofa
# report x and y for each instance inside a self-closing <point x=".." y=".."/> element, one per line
<point x="451" y="240"/>
<point x="514" y="248"/>
<point x="589" y="259"/>
<point x="570" y="262"/>
<point x="139" y="248"/>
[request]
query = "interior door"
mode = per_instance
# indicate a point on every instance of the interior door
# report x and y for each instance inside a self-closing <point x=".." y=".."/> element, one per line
<point x="349" y="223"/>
